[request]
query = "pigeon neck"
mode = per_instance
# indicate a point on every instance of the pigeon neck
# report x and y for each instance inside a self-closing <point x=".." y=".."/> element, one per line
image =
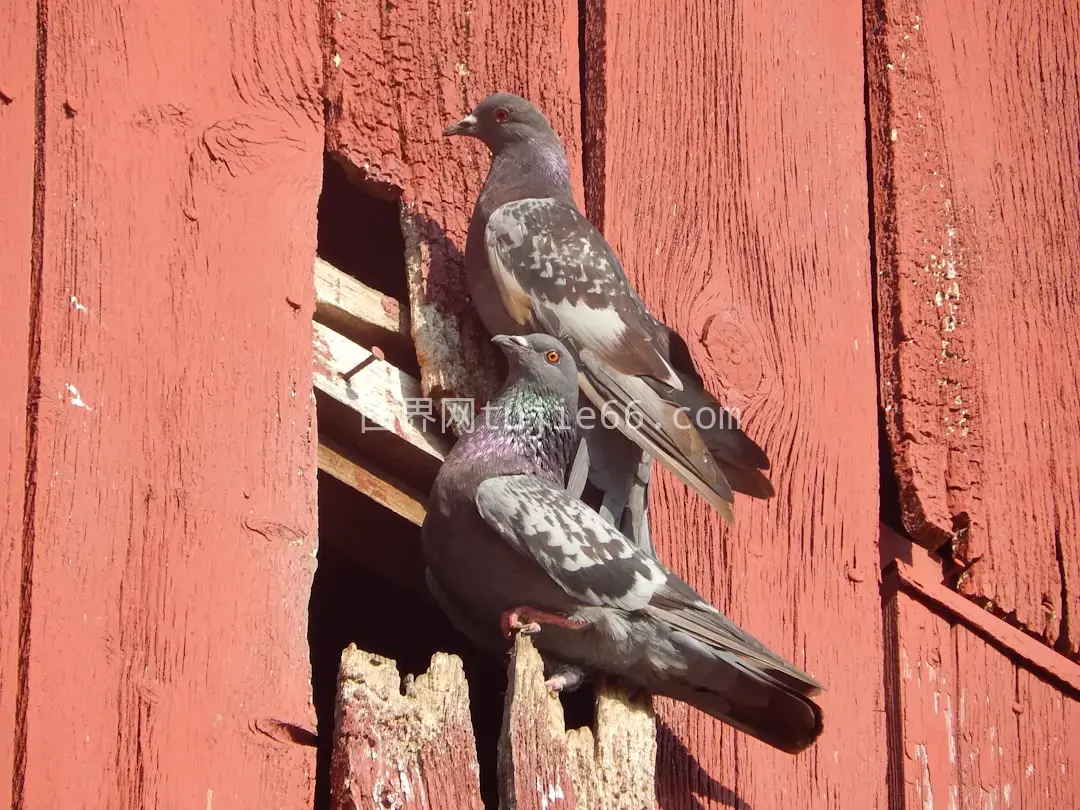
<point x="535" y="168"/>
<point x="530" y="430"/>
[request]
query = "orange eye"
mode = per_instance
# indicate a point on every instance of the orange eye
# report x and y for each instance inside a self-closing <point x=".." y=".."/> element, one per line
<point x="552" y="356"/>
<point x="501" y="114"/>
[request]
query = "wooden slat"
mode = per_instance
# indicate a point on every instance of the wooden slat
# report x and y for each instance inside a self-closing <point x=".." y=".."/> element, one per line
<point x="413" y="751"/>
<point x="377" y="391"/>
<point x="727" y="167"/>
<point x="17" y="267"/>
<point x="360" y="313"/>
<point x="388" y="105"/>
<point x="974" y="110"/>
<point x="370" y="481"/>
<point x="172" y="517"/>
<point x="1008" y="638"/>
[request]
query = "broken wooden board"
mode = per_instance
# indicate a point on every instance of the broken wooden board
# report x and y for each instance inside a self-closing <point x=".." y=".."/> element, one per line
<point x="362" y="314"/>
<point x="411" y="751"/>
<point x="976" y="181"/>
<point x="397" y="74"/>
<point x="383" y="395"/>
<point x="542" y="765"/>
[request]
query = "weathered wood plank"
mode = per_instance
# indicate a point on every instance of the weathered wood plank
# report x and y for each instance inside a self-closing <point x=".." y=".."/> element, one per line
<point x="386" y="397"/>
<point x="377" y="485"/>
<point x="18" y="20"/>
<point x="971" y="724"/>
<point x="922" y="678"/>
<point x="1006" y="637"/>
<point x="978" y="236"/>
<point x="1049" y="724"/>
<point x="397" y="74"/>
<point x="727" y="168"/>
<point x="173" y="520"/>
<point x="610" y="766"/>
<point x="412" y="750"/>
<point x="360" y="313"/>
<point x="989" y="748"/>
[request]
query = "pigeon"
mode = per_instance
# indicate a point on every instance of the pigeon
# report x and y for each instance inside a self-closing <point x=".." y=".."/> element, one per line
<point x="508" y="550"/>
<point x="534" y="263"/>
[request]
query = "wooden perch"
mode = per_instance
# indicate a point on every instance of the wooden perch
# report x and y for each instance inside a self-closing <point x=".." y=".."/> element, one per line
<point x="376" y="390"/>
<point x="543" y="766"/>
<point x="417" y="750"/>
<point x="408" y="752"/>
<point x="382" y="488"/>
<point x="360" y="313"/>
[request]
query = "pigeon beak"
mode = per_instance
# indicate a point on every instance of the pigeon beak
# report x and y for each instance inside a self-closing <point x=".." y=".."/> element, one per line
<point x="463" y="127"/>
<point x="510" y="344"/>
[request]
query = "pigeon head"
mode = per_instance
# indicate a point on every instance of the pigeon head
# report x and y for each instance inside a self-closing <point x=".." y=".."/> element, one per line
<point x="502" y="119"/>
<point x="539" y="358"/>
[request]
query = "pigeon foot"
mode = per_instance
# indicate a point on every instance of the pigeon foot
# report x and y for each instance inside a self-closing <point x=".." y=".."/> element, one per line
<point x="565" y="681"/>
<point x="527" y="621"/>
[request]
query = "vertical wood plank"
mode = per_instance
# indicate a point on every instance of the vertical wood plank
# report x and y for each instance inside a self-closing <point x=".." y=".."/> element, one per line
<point x="1049" y="725"/>
<point x="173" y="523"/>
<point x="924" y="703"/>
<point x="989" y="743"/>
<point x="726" y="164"/>
<point x="974" y="111"/>
<point x="17" y="151"/>
<point x="398" y="73"/>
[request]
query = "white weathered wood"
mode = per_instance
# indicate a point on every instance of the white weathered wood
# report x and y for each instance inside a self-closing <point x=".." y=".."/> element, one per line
<point x="378" y="391"/>
<point x="357" y="311"/>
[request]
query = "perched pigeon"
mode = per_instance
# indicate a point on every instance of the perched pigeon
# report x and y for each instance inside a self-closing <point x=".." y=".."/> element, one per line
<point x="509" y="550"/>
<point x="535" y="263"/>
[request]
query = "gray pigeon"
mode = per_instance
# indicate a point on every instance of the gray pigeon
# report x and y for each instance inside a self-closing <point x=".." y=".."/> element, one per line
<point x="509" y="550"/>
<point x="535" y="263"/>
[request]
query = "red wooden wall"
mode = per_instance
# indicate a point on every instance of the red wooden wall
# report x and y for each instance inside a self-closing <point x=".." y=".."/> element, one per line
<point x="161" y="169"/>
<point x="164" y="168"/>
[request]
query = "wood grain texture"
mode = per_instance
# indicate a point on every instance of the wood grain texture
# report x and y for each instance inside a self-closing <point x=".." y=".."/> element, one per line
<point x="411" y="751"/>
<point x="362" y="314"/>
<point x="372" y="482"/>
<point x="173" y="518"/>
<point x="17" y="160"/>
<point x="609" y="766"/>
<point x="384" y="397"/>
<point x="976" y="172"/>
<point x="970" y="728"/>
<point x="398" y="73"/>
<point x="726" y="161"/>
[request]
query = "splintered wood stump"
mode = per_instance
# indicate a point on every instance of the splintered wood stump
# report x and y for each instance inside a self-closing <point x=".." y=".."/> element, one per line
<point x="417" y="750"/>
<point x="391" y="750"/>
<point x="546" y="767"/>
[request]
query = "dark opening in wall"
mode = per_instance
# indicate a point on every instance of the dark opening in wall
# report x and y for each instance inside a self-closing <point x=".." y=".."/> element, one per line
<point x="360" y="229"/>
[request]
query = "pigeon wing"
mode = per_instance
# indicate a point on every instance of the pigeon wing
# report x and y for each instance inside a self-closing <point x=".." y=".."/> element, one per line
<point x="550" y="262"/>
<point x="586" y="556"/>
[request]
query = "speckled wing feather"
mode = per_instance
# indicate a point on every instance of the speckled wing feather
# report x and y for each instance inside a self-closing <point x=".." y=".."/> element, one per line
<point x="548" y="259"/>
<point x="588" y="557"/>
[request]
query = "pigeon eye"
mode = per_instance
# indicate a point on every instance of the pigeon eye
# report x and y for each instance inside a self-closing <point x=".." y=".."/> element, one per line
<point x="552" y="356"/>
<point x="501" y="114"/>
